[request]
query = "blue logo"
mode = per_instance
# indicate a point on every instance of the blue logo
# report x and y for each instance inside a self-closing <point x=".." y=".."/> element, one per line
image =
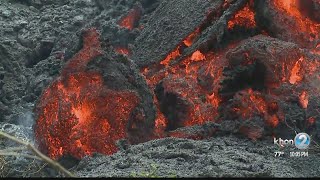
<point x="302" y="141"/>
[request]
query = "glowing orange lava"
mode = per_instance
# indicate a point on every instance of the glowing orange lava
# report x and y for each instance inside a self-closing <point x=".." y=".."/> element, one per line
<point x="173" y="55"/>
<point x="303" y="99"/>
<point x="122" y="50"/>
<point x="311" y="121"/>
<point x="91" y="48"/>
<point x="77" y="114"/>
<point x="189" y="39"/>
<point x="197" y="56"/>
<point x="181" y="79"/>
<point x="130" y="19"/>
<point x="291" y="8"/>
<point x="253" y="103"/>
<point x="243" y="18"/>
<point x="295" y="76"/>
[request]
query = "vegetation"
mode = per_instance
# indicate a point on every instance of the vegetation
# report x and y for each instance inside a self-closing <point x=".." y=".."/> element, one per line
<point x="37" y="155"/>
<point x="2" y="166"/>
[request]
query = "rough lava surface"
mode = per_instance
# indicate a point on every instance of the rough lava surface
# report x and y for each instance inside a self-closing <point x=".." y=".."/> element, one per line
<point x="38" y="37"/>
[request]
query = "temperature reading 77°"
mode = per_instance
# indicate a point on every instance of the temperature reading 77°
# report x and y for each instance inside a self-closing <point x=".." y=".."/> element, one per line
<point x="278" y="154"/>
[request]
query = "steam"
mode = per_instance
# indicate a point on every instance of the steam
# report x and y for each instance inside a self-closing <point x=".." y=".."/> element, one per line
<point x="26" y="121"/>
<point x="21" y="127"/>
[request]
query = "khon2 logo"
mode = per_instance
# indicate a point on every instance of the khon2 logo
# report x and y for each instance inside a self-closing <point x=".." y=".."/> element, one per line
<point x="301" y="141"/>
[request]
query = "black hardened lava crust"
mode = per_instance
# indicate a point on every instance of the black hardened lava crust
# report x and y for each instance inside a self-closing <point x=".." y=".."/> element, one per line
<point x="38" y="37"/>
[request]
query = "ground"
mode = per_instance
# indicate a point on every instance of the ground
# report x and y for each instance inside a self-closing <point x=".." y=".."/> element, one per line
<point x="37" y="37"/>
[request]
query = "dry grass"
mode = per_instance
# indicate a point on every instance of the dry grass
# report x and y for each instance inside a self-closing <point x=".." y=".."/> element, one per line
<point x="32" y="168"/>
<point x="3" y="167"/>
<point x="9" y="168"/>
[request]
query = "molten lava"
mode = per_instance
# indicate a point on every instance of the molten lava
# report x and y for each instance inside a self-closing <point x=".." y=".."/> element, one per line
<point x="91" y="48"/>
<point x="243" y="18"/>
<point x="252" y="103"/>
<point x="192" y="81"/>
<point x="130" y="20"/>
<point x="295" y="77"/>
<point x="197" y="56"/>
<point x="303" y="99"/>
<point x="77" y="114"/>
<point x="176" y="52"/>
<point x="173" y="55"/>
<point x="190" y="38"/>
<point x="122" y="50"/>
<point x="303" y="23"/>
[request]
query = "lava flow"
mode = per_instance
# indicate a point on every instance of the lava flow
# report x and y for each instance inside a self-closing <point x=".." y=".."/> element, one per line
<point x="244" y="79"/>
<point x="130" y="20"/>
<point x="186" y="94"/>
<point x="303" y="23"/>
<point x="253" y="103"/>
<point x="77" y="114"/>
<point x="193" y="83"/>
<point x="295" y="77"/>
<point x="122" y="50"/>
<point x="243" y="18"/>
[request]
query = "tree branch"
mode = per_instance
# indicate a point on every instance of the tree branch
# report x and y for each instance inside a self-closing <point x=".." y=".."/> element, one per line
<point x="13" y="149"/>
<point x="19" y="154"/>
<point x="38" y="154"/>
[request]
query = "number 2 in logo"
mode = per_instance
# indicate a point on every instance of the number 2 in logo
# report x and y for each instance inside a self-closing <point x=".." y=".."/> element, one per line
<point x="302" y="141"/>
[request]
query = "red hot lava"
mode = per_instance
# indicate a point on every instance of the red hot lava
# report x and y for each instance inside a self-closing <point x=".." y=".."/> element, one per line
<point x="78" y="114"/>
<point x="303" y="23"/>
<point x="122" y="50"/>
<point x="243" y="18"/>
<point x="192" y="80"/>
<point x="130" y="20"/>
<point x="253" y="103"/>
